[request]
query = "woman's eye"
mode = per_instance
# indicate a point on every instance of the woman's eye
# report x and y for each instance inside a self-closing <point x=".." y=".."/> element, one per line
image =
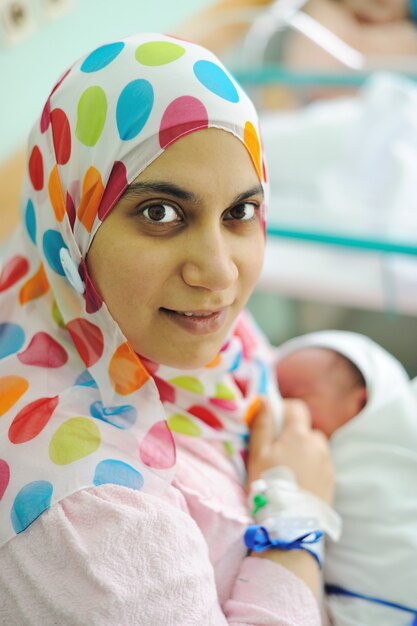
<point x="242" y="212"/>
<point x="161" y="213"/>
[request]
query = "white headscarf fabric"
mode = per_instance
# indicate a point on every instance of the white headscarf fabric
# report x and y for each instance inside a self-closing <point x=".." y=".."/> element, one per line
<point x="77" y="406"/>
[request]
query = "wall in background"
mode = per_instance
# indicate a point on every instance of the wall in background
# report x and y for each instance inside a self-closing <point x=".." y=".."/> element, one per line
<point x="53" y="37"/>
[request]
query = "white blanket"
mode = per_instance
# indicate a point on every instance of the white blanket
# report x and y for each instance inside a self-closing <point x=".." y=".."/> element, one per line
<point x="375" y="456"/>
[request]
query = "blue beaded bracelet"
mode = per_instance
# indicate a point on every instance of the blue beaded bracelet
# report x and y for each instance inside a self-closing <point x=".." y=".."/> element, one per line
<point x="257" y="539"/>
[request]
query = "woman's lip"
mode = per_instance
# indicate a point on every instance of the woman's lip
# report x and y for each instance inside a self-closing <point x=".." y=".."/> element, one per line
<point x="210" y="323"/>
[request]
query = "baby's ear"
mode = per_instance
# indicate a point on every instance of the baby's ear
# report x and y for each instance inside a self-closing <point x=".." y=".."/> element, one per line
<point x="361" y="396"/>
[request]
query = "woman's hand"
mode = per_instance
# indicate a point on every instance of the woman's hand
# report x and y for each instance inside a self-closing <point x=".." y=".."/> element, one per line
<point x="303" y="450"/>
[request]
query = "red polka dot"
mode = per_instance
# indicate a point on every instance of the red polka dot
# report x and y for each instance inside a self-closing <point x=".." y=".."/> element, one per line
<point x="243" y="385"/>
<point x="88" y="340"/>
<point x="206" y="416"/>
<point x="61" y="134"/>
<point x="4" y="477"/>
<point x="93" y="300"/>
<point x="36" y="168"/>
<point x="43" y="351"/>
<point x="166" y="391"/>
<point x="13" y="271"/>
<point x="157" y="449"/>
<point x="116" y="185"/>
<point x="184" y="115"/>
<point x="32" y="419"/>
<point x="70" y="209"/>
<point x="63" y="77"/>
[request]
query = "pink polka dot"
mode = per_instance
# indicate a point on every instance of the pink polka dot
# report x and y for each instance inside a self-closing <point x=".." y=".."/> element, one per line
<point x="43" y="351"/>
<point x="157" y="449"/>
<point x="150" y="365"/>
<point x="61" y="134"/>
<point x="116" y="185"/>
<point x="206" y="416"/>
<point x="184" y="115"/>
<point x="88" y="340"/>
<point x="32" y="419"/>
<point x="46" y="116"/>
<point x="36" y="168"/>
<point x="227" y="405"/>
<point x="46" y="113"/>
<point x="13" y="271"/>
<point x="4" y="477"/>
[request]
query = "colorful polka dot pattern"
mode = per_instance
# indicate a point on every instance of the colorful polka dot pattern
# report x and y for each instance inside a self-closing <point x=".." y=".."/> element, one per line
<point x="77" y="404"/>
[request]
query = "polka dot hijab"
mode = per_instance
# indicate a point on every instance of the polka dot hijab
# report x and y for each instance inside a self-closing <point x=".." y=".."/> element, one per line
<point x="78" y="407"/>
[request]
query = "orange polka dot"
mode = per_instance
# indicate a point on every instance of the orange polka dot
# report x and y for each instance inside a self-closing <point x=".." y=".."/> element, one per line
<point x="35" y="287"/>
<point x="92" y="194"/>
<point x="55" y="194"/>
<point x="217" y="359"/>
<point x="252" y="143"/>
<point x="253" y="410"/>
<point x="11" y="389"/>
<point x="127" y="373"/>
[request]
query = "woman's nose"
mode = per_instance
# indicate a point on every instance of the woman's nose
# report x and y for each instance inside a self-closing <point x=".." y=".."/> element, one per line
<point x="209" y="262"/>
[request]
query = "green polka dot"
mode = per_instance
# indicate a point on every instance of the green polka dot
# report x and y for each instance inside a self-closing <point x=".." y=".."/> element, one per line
<point x="158" y="53"/>
<point x="182" y="424"/>
<point x="189" y="383"/>
<point x="229" y="449"/>
<point x="92" y="111"/>
<point x="223" y="392"/>
<point x="73" y="440"/>
<point x="57" y="317"/>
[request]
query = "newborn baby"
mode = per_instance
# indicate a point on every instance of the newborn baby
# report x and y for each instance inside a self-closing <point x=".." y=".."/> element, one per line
<point x="362" y="399"/>
<point x="329" y="383"/>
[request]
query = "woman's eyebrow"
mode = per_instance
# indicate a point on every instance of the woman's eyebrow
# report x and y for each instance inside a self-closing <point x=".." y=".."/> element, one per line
<point x="160" y="187"/>
<point x="180" y="193"/>
<point x="254" y="191"/>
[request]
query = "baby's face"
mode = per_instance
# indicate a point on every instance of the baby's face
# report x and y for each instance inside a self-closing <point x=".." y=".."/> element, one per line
<point x="322" y="378"/>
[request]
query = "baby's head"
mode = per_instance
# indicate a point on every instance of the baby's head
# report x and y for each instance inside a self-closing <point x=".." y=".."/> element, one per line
<point x="329" y="383"/>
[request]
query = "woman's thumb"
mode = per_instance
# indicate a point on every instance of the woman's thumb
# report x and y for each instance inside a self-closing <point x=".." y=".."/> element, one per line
<point x="261" y="430"/>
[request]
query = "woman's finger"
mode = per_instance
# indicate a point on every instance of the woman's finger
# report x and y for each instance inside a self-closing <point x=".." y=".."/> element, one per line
<point x="296" y="414"/>
<point x="261" y="431"/>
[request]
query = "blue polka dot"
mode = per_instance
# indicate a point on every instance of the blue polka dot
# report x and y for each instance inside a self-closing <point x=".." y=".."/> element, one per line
<point x="32" y="500"/>
<point x="263" y="378"/>
<point x="237" y="361"/>
<point x="85" y="380"/>
<point x="52" y="244"/>
<point x="123" y="416"/>
<point x="216" y="80"/>
<point x="12" y="338"/>
<point x="102" y="57"/>
<point x="245" y="438"/>
<point x="133" y="108"/>
<point x="30" y="220"/>
<point x="118" y="473"/>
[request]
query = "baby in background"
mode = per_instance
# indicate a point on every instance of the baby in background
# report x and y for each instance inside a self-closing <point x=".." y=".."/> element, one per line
<point x="362" y="399"/>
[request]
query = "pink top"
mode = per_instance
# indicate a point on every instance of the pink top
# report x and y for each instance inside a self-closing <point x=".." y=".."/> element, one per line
<point x="111" y="556"/>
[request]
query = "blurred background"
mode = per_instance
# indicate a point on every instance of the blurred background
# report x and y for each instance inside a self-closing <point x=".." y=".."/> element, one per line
<point x="335" y="84"/>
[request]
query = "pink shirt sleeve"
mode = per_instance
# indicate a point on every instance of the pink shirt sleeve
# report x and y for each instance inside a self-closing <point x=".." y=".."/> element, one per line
<point x="109" y="555"/>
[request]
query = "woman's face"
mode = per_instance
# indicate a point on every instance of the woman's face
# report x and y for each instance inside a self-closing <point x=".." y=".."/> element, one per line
<point x="178" y="257"/>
